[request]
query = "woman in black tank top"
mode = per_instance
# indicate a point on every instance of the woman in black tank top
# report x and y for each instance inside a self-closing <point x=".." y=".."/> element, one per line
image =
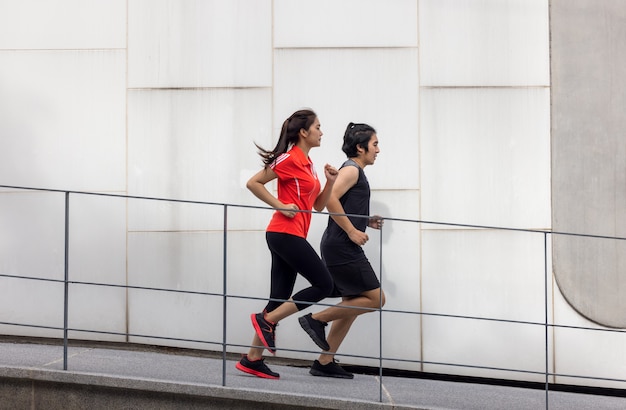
<point x="355" y="280"/>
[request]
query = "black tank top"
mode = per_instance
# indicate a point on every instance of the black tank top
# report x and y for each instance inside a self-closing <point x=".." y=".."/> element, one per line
<point x="336" y="246"/>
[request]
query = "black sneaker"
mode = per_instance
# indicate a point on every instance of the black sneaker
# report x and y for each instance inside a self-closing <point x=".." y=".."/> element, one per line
<point x="315" y="329"/>
<point x="331" y="369"/>
<point x="265" y="330"/>
<point x="256" y="367"/>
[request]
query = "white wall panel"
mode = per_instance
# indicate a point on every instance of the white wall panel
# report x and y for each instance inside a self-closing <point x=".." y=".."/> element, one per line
<point x="599" y="352"/>
<point x="32" y="244"/>
<point x="377" y="86"/>
<point x="97" y="239"/>
<point x="482" y="344"/>
<point x="97" y="309"/>
<point x="486" y="156"/>
<point x="33" y="303"/>
<point x="249" y="263"/>
<point x="32" y="235"/>
<point x="170" y="315"/>
<point x="199" y="43"/>
<point x="188" y="261"/>
<point x="62" y="117"/>
<point x="486" y="274"/>
<point x="345" y="23"/>
<point x="400" y="254"/>
<point x="484" y="43"/>
<point x="62" y="24"/>
<point x="193" y="145"/>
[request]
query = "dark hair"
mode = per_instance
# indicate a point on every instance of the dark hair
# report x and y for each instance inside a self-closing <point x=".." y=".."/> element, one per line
<point x="356" y="135"/>
<point x="289" y="134"/>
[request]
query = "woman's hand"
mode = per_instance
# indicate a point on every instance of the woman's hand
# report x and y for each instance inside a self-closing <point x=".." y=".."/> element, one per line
<point x="290" y="210"/>
<point x="330" y="173"/>
<point x="376" y="222"/>
<point x="358" y="237"/>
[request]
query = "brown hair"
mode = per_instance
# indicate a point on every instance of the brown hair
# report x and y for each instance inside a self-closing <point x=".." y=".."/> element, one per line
<point x="289" y="134"/>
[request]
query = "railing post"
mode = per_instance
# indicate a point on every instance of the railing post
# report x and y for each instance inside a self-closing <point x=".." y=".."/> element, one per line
<point x="546" y="312"/>
<point x="66" y="277"/>
<point x="380" y="315"/>
<point x="224" y="301"/>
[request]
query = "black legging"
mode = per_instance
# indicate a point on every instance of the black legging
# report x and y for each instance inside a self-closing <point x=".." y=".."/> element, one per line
<point x="292" y="255"/>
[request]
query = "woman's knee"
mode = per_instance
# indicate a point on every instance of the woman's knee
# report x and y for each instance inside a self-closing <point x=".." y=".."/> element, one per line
<point x="377" y="298"/>
<point x="326" y="287"/>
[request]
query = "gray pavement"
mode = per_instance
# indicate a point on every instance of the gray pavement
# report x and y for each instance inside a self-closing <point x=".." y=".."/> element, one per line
<point x="197" y="375"/>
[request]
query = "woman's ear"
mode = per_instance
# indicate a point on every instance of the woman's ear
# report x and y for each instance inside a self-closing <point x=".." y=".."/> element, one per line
<point x="303" y="133"/>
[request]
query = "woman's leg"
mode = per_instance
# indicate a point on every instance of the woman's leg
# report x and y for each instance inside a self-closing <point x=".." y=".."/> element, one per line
<point x="349" y="307"/>
<point x="300" y="256"/>
<point x="343" y="315"/>
<point x="338" y="331"/>
<point x="282" y="281"/>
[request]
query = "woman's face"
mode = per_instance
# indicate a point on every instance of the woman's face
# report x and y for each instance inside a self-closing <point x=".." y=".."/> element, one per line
<point x="369" y="157"/>
<point x="314" y="134"/>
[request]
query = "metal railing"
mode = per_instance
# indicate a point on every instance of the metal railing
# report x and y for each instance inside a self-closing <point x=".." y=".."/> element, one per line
<point x="381" y="358"/>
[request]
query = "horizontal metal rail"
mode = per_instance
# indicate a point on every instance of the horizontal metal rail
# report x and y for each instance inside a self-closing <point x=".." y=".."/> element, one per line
<point x="66" y="282"/>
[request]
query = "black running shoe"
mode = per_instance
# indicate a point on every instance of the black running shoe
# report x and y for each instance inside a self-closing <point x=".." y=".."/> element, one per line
<point x="256" y="367"/>
<point x="265" y="330"/>
<point x="331" y="369"/>
<point x="315" y="329"/>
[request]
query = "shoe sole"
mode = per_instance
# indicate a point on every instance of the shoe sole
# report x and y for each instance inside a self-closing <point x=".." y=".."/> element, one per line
<point x="256" y="373"/>
<point x="320" y="343"/>
<point x="259" y="333"/>
<point x="324" y="374"/>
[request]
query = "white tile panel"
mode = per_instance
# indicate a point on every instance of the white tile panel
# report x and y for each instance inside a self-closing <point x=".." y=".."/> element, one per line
<point x="183" y="262"/>
<point x="484" y="349"/>
<point x="35" y="303"/>
<point x="161" y="215"/>
<point x="399" y="254"/>
<point x="490" y="42"/>
<point x="62" y="117"/>
<point x="346" y="23"/>
<point x="406" y="348"/>
<point x="484" y="274"/>
<point x="62" y="24"/>
<point x="32" y="244"/>
<point x="375" y="86"/>
<point x="32" y="234"/>
<point x="486" y="156"/>
<point x="249" y="263"/>
<point x="197" y="319"/>
<point x="583" y="348"/>
<point x="200" y="43"/>
<point x="186" y="261"/>
<point x="97" y="239"/>
<point x="194" y="145"/>
<point x="94" y="309"/>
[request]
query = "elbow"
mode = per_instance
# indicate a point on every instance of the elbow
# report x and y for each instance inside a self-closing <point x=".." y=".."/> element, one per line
<point x="250" y="185"/>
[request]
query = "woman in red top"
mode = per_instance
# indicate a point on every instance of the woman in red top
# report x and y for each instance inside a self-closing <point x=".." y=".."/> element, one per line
<point x="299" y="191"/>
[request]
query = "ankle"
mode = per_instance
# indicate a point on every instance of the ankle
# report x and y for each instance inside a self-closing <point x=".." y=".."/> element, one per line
<point x="324" y="360"/>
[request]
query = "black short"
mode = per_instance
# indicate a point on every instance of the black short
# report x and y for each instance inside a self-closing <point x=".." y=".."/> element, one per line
<point x="352" y="279"/>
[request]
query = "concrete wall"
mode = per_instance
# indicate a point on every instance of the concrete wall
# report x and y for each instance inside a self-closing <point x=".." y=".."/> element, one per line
<point x="589" y="178"/>
<point x="166" y="97"/>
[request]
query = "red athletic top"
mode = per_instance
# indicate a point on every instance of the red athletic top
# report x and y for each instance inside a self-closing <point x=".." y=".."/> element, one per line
<point x="297" y="184"/>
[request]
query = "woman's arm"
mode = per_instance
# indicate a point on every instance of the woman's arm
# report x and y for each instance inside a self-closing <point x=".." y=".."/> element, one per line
<point x="322" y="199"/>
<point x="256" y="185"/>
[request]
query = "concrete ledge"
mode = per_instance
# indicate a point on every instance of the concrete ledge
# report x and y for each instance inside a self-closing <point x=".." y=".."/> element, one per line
<point x="53" y="389"/>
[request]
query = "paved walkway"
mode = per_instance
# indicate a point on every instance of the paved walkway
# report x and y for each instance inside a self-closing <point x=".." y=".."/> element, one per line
<point x="186" y="374"/>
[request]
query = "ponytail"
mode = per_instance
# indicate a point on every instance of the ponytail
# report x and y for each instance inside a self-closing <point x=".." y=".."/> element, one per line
<point x="289" y="135"/>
